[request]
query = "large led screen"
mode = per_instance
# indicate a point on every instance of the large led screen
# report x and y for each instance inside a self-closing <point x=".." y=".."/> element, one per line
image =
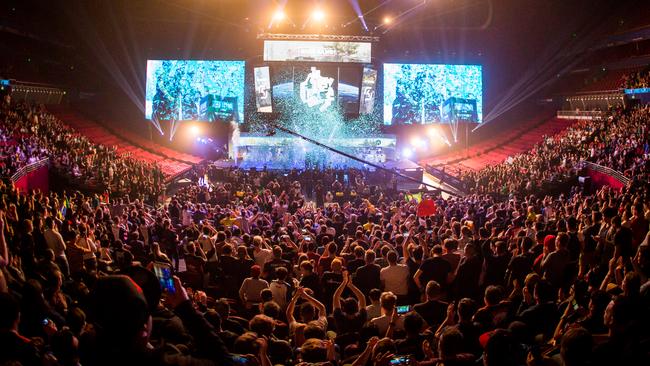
<point x="322" y="87"/>
<point x="416" y="93"/>
<point x="183" y="90"/>
<point x="317" y="51"/>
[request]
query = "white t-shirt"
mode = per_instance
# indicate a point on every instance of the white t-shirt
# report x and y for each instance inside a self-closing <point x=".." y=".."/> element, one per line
<point x="262" y="256"/>
<point x="383" y="321"/>
<point x="395" y="279"/>
<point x="279" y="291"/>
<point x="373" y="311"/>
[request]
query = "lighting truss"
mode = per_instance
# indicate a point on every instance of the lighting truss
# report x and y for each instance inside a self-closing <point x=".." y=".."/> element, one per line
<point x="316" y="37"/>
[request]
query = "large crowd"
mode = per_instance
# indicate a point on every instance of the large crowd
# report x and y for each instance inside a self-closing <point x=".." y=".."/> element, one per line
<point x="29" y="133"/>
<point x="620" y="140"/>
<point x="636" y="80"/>
<point x="328" y="267"/>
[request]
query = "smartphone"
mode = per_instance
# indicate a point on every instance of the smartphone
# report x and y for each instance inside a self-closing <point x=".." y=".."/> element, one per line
<point x="575" y="305"/>
<point x="164" y="272"/>
<point x="403" y="309"/>
<point x="400" y="360"/>
<point x="239" y="359"/>
<point x="307" y="238"/>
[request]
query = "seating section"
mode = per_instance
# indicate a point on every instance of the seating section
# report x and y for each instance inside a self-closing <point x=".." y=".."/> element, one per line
<point x="497" y="149"/>
<point x="172" y="163"/>
<point x="610" y="81"/>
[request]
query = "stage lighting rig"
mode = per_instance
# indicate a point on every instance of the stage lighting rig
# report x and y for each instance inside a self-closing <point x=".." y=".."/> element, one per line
<point x="279" y="16"/>
<point x="318" y="15"/>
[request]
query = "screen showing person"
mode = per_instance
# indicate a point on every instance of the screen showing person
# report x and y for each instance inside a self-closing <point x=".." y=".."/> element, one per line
<point x="263" y="98"/>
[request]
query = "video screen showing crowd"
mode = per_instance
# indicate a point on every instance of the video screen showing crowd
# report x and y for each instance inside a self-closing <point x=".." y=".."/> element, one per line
<point x="188" y="90"/>
<point x="428" y="93"/>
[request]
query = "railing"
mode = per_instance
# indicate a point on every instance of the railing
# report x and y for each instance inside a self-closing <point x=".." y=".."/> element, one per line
<point x="446" y="178"/>
<point x="29" y="168"/>
<point x="614" y="174"/>
<point x="579" y="114"/>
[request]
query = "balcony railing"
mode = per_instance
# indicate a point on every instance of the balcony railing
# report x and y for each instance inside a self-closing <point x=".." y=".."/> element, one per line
<point x="29" y="168"/>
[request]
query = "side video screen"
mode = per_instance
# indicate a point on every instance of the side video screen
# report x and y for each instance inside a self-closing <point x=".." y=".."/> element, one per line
<point x="183" y="90"/>
<point x="417" y="93"/>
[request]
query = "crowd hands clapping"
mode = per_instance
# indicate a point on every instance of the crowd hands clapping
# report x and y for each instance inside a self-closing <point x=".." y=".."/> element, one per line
<point x="282" y="269"/>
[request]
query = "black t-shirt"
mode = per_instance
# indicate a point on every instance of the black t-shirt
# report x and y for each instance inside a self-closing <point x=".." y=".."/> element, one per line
<point x="623" y="241"/>
<point x="520" y="266"/>
<point x="270" y="267"/>
<point x="312" y="282"/>
<point x="435" y="269"/>
<point x="349" y="324"/>
<point x="354" y="264"/>
<point x="433" y="312"/>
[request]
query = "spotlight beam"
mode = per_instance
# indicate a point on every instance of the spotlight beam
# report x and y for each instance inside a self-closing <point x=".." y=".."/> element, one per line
<point x="362" y="15"/>
<point x="401" y="17"/>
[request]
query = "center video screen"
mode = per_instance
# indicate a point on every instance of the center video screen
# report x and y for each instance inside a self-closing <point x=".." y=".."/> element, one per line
<point x="322" y="87"/>
<point x="417" y="93"/>
<point x="192" y="90"/>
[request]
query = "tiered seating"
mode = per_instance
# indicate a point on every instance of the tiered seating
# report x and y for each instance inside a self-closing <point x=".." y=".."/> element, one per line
<point x="611" y="81"/>
<point x="170" y="162"/>
<point x="498" y="149"/>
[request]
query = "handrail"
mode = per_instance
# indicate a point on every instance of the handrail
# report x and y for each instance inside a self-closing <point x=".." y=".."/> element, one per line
<point x="577" y="114"/>
<point x="605" y="170"/>
<point x="29" y="168"/>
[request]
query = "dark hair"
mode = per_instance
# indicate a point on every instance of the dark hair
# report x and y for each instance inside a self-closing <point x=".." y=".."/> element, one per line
<point x="499" y="349"/>
<point x="374" y="294"/>
<point x="281" y="273"/>
<point x="451" y="342"/>
<point x="413" y="323"/>
<point x="545" y="291"/>
<point x="576" y="346"/>
<point x="466" y="308"/>
<point x="262" y="325"/>
<point x="493" y="295"/>
<point x="433" y="289"/>
<point x="271" y="309"/>
<point x="266" y="295"/>
<point x="9" y="311"/>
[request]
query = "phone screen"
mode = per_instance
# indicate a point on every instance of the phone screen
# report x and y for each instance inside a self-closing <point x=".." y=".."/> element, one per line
<point x="400" y="360"/>
<point x="163" y="272"/>
<point x="403" y="309"/>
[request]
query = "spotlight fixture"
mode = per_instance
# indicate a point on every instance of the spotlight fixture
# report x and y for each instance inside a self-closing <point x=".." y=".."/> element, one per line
<point x="387" y="20"/>
<point x="279" y="15"/>
<point x="318" y="15"/>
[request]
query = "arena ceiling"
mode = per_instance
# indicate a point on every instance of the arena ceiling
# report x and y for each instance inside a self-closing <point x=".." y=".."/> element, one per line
<point x="86" y="41"/>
